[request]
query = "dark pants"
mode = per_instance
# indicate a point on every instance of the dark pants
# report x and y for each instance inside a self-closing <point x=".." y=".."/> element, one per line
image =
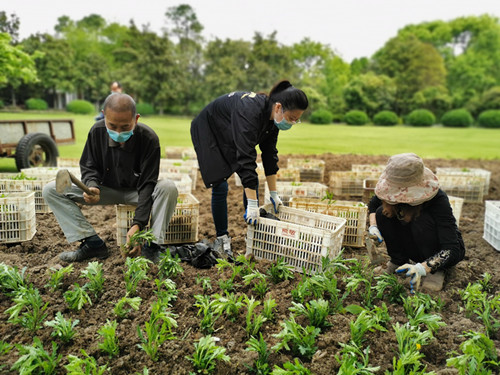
<point x="219" y="207"/>
<point x="416" y="241"/>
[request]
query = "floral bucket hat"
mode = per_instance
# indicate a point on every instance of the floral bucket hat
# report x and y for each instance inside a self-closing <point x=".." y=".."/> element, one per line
<point x="406" y="180"/>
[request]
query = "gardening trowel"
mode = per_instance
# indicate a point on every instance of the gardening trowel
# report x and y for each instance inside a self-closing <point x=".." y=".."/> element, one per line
<point x="64" y="178"/>
<point x="372" y="247"/>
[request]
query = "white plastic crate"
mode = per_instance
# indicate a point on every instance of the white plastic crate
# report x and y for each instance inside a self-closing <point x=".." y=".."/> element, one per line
<point x="68" y="162"/>
<point x="470" y="188"/>
<point x="349" y="183"/>
<point x="179" y="152"/>
<point x="301" y="238"/>
<point x="354" y="212"/>
<point x="49" y="172"/>
<point x="482" y="173"/>
<point x="288" y="190"/>
<point x="17" y="216"/>
<point x="260" y="173"/>
<point x="14" y="185"/>
<point x="369" y="185"/>
<point x="456" y="207"/>
<point x="182" y="181"/>
<point x="189" y="167"/>
<point x="377" y="168"/>
<point x="288" y="174"/>
<point x="492" y="224"/>
<point x="312" y="170"/>
<point x="183" y="227"/>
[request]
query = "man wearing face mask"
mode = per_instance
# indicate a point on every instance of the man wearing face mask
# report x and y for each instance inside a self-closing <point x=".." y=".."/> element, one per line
<point x="225" y="135"/>
<point x="120" y="165"/>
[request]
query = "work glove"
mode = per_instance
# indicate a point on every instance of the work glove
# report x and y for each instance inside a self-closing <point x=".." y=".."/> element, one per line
<point x="415" y="271"/>
<point x="252" y="213"/>
<point x="276" y="201"/>
<point x="374" y="232"/>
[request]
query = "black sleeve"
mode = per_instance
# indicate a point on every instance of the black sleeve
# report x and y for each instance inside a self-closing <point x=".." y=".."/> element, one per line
<point x="150" y="168"/>
<point x="245" y="126"/>
<point x="452" y="249"/>
<point x="374" y="204"/>
<point x="270" y="153"/>
<point x="91" y="160"/>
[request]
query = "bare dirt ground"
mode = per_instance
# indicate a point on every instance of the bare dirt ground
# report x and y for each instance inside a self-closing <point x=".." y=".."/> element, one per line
<point x="41" y="253"/>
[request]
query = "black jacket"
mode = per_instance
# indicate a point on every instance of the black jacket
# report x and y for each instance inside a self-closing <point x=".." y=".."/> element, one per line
<point x="226" y="133"/>
<point x="135" y="165"/>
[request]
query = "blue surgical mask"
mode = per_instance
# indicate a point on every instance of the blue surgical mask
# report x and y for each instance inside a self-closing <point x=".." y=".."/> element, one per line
<point x="283" y="124"/>
<point x="120" y="137"/>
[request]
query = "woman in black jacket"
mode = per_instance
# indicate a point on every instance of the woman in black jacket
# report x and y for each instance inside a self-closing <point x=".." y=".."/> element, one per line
<point x="414" y="217"/>
<point x="225" y="135"/>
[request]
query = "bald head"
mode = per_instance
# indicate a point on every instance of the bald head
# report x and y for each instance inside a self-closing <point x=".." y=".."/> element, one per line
<point x="120" y="103"/>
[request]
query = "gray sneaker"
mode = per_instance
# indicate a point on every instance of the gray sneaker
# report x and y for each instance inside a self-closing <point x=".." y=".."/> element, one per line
<point x="222" y="246"/>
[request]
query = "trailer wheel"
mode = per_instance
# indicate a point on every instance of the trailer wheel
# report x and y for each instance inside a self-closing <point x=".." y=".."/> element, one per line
<point x="36" y="150"/>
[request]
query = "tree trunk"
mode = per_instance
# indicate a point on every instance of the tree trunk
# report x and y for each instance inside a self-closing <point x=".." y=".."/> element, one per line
<point x="13" y="97"/>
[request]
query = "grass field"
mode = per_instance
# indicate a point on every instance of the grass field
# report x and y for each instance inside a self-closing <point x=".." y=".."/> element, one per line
<point x="434" y="142"/>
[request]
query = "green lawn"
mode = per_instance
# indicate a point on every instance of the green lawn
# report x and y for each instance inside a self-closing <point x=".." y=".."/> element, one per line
<point x="434" y="142"/>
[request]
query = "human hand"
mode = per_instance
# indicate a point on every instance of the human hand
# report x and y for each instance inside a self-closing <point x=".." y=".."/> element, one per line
<point x="415" y="271"/>
<point x="375" y="232"/>
<point x="92" y="199"/>
<point x="135" y="250"/>
<point x="252" y="213"/>
<point x="276" y="201"/>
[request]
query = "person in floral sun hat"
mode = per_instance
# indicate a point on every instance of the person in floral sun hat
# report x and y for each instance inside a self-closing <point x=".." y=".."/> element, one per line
<point x="414" y="217"/>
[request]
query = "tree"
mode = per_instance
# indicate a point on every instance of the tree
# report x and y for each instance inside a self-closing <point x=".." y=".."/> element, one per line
<point x="10" y="26"/>
<point x="16" y="66"/>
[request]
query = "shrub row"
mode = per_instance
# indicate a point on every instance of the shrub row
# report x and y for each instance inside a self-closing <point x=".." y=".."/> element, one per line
<point x="419" y="117"/>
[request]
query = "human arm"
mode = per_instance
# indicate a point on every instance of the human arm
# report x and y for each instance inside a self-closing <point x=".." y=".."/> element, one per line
<point x="373" y="230"/>
<point x="92" y="159"/>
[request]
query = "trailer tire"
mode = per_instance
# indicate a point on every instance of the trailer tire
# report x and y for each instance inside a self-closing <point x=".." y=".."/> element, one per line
<point x="36" y="150"/>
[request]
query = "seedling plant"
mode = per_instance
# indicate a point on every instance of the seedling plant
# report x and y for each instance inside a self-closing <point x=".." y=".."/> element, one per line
<point x="169" y="266"/>
<point x="84" y="366"/>
<point x="261" y="364"/>
<point x="34" y="359"/>
<point x="121" y="311"/>
<point x="56" y="277"/>
<point x="254" y="321"/>
<point x="139" y="238"/>
<point x="77" y="297"/>
<point x="302" y="339"/>
<point x="94" y="273"/>
<point x="62" y="328"/>
<point x="137" y="269"/>
<point x="110" y="341"/>
<point x="206" y="355"/>
<point x="28" y="309"/>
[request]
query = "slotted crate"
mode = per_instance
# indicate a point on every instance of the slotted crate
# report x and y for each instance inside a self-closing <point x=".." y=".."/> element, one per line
<point x="189" y="167"/>
<point x="17" y="216"/>
<point x="492" y="223"/>
<point x="182" y="181"/>
<point x="369" y="185"/>
<point x="470" y="188"/>
<point x="288" y="174"/>
<point x="466" y="172"/>
<point x="179" y="152"/>
<point x="68" y="162"/>
<point x="288" y="190"/>
<point x="183" y="227"/>
<point x="311" y="170"/>
<point x="36" y="185"/>
<point x="456" y="204"/>
<point x="49" y="172"/>
<point x="377" y="168"/>
<point x="354" y="212"/>
<point x="349" y="183"/>
<point x="301" y="238"/>
<point x="260" y="173"/>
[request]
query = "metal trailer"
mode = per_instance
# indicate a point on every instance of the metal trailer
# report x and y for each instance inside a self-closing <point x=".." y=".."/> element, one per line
<point x="33" y="143"/>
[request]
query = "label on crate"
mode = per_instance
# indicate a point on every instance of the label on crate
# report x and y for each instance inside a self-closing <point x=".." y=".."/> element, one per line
<point x="288" y="233"/>
<point x="299" y="192"/>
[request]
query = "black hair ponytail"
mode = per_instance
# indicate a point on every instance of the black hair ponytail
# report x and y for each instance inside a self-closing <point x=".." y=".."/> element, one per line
<point x="290" y="97"/>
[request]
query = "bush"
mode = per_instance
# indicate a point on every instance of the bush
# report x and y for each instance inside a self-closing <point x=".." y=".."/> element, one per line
<point x="338" y="118"/>
<point x="80" y="106"/>
<point x="37" y="104"/>
<point x="321" y="116"/>
<point x="356" y="117"/>
<point x="386" y="118"/>
<point x="1" y="104"/>
<point x="457" y="118"/>
<point x="421" y="117"/>
<point x="145" y="109"/>
<point x="490" y="118"/>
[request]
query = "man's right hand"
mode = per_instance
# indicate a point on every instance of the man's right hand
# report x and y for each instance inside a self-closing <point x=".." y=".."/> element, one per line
<point x="252" y="213"/>
<point x="92" y="199"/>
<point x="136" y="250"/>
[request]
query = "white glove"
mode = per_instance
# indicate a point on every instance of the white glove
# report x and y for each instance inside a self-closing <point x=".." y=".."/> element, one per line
<point x="252" y="212"/>
<point x="416" y="271"/>
<point x="373" y="230"/>
<point x="276" y="201"/>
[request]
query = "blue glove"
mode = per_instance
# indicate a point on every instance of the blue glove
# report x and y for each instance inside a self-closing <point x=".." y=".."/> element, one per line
<point x="415" y="271"/>
<point x="276" y="201"/>
<point x="252" y="213"/>
<point x="375" y="232"/>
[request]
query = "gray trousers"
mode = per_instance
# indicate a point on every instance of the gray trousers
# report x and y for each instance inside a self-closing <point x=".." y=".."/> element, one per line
<point x="76" y="227"/>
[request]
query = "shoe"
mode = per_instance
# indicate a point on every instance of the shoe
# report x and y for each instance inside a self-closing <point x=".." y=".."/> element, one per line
<point x="151" y="252"/>
<point x="389" y="268"/>
<point x="222" y="247"/>
<point x="433" y="282"/>
<point x="85" y="252"/>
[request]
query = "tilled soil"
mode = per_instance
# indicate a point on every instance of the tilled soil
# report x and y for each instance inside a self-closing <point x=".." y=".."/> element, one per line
<point x="41" y="253"/>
